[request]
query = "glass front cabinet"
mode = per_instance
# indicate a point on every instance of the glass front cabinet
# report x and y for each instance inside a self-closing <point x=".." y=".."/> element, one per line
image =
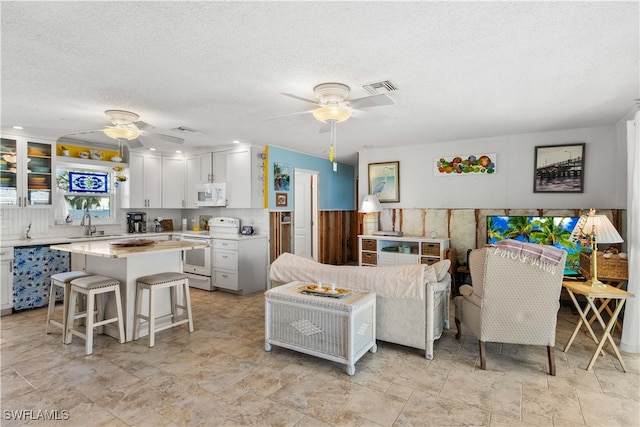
<point x="26" y="172"/>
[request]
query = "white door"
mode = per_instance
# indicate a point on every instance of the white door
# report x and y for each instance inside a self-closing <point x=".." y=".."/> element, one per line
<point x="305" y="215"/>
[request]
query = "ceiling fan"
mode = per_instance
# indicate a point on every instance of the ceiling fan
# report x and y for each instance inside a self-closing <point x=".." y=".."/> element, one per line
<point x="333" y="105"/>
<point x="126" y="126"/>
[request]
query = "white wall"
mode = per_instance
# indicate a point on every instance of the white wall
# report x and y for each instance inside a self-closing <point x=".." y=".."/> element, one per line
<point x="511" y="187"/>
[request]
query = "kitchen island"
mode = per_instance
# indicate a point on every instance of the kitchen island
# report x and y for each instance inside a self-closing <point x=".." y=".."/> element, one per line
<point x="127" y="264"/>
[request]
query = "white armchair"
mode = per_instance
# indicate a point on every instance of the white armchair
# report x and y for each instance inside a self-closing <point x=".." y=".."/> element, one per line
<point x="515" y="296"/>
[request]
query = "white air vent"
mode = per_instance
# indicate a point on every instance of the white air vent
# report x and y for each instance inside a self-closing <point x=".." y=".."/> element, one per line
<point x="384" y="86"/>
<point x="184" y="129"/>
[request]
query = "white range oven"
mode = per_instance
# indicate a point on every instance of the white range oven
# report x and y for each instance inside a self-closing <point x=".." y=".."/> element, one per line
<point x="197" y="263"/>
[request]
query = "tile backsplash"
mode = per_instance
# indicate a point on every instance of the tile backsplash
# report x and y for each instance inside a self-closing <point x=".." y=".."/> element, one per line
<point x="14" y="222"/>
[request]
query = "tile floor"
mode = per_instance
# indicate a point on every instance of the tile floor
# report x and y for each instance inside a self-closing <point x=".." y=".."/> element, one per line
<point x="220" y="375"/>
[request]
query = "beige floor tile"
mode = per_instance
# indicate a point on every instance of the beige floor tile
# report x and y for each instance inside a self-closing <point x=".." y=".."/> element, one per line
<point x="375" y="406"/>
<point x="425" y="409"/>
<point x="221" y="375"/>
<point x="601" y="409"/>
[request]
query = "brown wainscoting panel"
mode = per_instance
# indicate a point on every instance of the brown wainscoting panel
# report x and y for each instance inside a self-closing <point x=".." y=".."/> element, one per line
<point x="336" y="242"/>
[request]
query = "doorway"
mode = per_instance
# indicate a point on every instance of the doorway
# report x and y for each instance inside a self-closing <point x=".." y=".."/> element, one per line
<point x="305" y="217"/>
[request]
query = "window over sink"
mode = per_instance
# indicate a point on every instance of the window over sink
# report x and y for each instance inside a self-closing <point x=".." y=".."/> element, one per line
<point x="80" y="188"/>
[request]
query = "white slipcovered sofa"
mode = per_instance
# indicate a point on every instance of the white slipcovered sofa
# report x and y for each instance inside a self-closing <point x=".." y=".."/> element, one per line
<point x="412" y="305"/>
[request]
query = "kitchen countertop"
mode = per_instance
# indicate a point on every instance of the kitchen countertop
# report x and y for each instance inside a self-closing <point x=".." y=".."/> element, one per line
<point x="104" y="249"/>
<point x="54" y="240"/>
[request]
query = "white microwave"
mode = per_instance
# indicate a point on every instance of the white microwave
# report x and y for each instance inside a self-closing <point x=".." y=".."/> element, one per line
<point x="211" y="194"/>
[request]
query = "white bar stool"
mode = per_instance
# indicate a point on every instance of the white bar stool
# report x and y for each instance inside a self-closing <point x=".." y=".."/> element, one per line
<point x="92" y="287"/>
<point x="153" y="283"/>
<point x="62" y="280"/>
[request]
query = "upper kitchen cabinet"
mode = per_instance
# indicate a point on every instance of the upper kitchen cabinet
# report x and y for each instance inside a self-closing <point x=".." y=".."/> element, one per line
<point x="245" y="178"/>
<point x="26" y="178"/>
<point x="173" y="182"/>
<point x="202" y="169"/>
<point x="145" y="184"/>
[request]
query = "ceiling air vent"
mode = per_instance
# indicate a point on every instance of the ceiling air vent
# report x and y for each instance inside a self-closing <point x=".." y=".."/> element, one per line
<point x="384" y="86"/>
<point x="185" y="129"/>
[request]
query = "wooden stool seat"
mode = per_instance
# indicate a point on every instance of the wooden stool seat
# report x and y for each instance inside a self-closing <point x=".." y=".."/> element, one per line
<point x="153" y="283"/>
<point x="92" y="287"/>
<point x="62" y="280"/>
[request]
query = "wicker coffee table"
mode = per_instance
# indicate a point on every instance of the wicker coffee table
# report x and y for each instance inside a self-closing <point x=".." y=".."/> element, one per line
<point x="337" y="329"/>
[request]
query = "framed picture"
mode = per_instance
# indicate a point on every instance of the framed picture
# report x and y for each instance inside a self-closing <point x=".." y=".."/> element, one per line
<point x="465" y="165"/>
<point x="281" y="199"/>
<point x="559" y="169"/>
<point x="384" y="181"/>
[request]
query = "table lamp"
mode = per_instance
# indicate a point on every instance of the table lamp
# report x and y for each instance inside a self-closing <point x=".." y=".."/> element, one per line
<point x="370" y="205"/>
<point x="598" y="229"/>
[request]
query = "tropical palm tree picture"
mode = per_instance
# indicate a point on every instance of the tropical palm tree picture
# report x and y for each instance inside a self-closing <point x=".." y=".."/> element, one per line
<point x="549" y="230"/>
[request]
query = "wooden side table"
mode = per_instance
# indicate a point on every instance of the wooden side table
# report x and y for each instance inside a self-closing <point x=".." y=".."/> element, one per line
<point x="591" y="294"/>
<point x="613" y="271"/>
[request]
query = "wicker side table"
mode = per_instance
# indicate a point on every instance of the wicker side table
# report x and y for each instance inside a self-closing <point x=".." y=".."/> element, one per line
<point x="340" y="330"/>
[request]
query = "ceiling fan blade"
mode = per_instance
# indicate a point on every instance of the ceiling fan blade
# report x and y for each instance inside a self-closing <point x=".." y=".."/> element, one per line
<point x="380" y="118"/>
<point x="89" y="132"/>
<point x="288" y="115"/>
<point x="143" y="125"/>
<point x="135" y="143"/>
<point x="371" y="101"/>
<point x="161" y="136"/>
<point x="299" y="98"/>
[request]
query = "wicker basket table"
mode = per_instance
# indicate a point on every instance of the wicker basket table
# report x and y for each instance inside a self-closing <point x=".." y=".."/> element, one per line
<point x="341" y="330"/>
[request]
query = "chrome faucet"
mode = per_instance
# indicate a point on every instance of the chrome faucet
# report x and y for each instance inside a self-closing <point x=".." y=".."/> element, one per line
<point x="89" y="229"/>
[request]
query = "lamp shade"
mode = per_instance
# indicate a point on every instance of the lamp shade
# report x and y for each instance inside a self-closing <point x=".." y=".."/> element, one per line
<point x="331" y="112"/>
<point x="370" y="204"/>
<point x="604" y="230"/>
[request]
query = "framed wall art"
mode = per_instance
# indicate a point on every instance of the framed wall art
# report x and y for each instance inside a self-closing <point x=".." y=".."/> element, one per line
<point x="559" y="168"/>
<point x="384" y="181"/>
<point x="282" y="199"/>
<point x="474" y="164"/>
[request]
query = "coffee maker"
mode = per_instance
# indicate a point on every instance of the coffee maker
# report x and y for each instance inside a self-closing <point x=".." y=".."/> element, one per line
<point x="137" y="222"/>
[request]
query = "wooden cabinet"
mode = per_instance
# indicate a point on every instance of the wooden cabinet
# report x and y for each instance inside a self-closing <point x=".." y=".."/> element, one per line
<point x="145" y="184"/>
<point x="245" y="178"/>
<point x="173" y="182"/>
<point x="378" y="251"/>
<point x="27" y="175"/>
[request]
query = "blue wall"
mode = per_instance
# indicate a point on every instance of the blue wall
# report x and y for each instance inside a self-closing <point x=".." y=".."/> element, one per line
<point x="336" y="190"/>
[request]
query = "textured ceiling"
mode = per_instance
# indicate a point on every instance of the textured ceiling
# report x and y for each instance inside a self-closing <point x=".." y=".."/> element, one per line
<point x="464" y="70"/>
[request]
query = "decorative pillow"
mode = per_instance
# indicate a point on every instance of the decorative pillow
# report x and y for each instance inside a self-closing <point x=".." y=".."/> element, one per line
<point x="441" y="268"/>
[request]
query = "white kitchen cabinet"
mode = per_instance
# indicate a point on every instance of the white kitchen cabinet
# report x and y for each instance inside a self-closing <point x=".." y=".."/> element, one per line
<point x="6" y="280"/>
<point x="202" y="169"/>
<point x="173" y="182"/>
<point x="27" y="175"/>
<point x="240" y="265"/>
<point x="145" y="181"/>
<point x="245" y="185"/>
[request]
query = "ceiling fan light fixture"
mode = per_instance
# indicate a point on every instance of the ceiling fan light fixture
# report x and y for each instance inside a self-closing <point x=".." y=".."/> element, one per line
<point x="119" y="132"/>
<point x="121" y="117"/>
<point x="330" y="113"/>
